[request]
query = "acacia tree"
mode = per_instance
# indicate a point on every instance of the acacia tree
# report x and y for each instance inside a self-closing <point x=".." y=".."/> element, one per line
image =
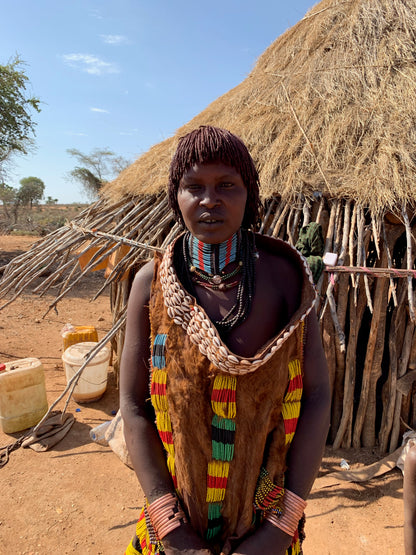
<point x="31" y="191"/>
<point x="96" y="169"/>
<point x="17" y="128"/>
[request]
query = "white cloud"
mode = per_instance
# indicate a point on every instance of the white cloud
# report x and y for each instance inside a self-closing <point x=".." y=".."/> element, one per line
<point x="114" y="39"/>
<point x="90" y="64"/>
<point x="96" y="13"/>
<point x="75" y="134"/>
<point x="100" y="110"/>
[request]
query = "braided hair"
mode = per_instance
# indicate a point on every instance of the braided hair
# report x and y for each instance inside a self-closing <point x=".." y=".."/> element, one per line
<point x="212" y="144"/>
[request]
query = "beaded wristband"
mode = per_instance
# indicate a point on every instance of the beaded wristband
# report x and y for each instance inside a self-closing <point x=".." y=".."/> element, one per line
<point x="293" y="508"/>
<point x="165" y="515"/>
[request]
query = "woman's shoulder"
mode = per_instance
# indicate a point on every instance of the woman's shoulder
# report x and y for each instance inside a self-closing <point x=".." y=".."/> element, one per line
<point x="142" y="283"/>
<point x="279" y="254"/>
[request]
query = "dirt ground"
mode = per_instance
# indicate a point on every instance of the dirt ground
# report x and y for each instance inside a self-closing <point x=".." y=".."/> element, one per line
<point x="80" y="498"/>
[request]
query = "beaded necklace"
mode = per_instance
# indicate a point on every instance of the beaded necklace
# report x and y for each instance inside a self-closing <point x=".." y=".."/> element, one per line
<point x="205" y="263"/>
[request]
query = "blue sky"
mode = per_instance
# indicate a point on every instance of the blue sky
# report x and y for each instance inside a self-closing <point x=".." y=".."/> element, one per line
<point x="125" y="75"/>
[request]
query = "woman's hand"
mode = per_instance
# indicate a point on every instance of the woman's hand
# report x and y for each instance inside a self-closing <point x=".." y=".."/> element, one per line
<point x="184" y="541"/>
<point x="267" y="539"/>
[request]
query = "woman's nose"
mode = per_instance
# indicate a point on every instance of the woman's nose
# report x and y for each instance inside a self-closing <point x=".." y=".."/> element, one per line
<point x="209" y="197"/>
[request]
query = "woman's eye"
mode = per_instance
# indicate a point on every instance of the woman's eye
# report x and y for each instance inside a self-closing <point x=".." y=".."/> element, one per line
<point x="191" y="187"/>
<point x="226" y="185"/>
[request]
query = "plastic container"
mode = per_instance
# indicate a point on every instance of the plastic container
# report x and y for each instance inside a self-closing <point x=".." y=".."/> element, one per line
<point x="23" y="400"/>
<point x="93" y="380"/>
<point x="97" y="434"/>
<point x="78" y="334"/>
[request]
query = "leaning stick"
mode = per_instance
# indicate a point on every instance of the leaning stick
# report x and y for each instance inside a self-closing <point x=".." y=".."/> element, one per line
<point x="46" y="284"/>
<point x="289" y="225"/>
<point x="378" y="314"/>
<point x="390" y="385"/>
<point x="376" y="236"/>
<point x="409" y="263"/>
<point x="320" y="208"/>
<point x="279" y="222"/>
<point x="295" y="227"/>
<point x="351" y="242"/>
<point x="275" y="218"/>
<point x="367" y="287"/>
<point x="116" y="238"/>
<point x="344" y="431"/>
<point x="360" y="242"/>
<point x="176" y="230"/>
<point x="401" y="371"/>
<point x="306" y="213"/>
<point x="331" y="282"/>
<point x="392" y="288"/>
<point x="272" y="204"/>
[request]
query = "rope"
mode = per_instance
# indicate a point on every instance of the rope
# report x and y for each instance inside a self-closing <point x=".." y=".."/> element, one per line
<point x="5" y="451"/>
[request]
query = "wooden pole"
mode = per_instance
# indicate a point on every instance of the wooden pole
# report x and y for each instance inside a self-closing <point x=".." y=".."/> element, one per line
<point x="401" y="371"/>
<point x="389" y="389"/>
<point x="343" y="435"/>
<point x="370" y="372"/>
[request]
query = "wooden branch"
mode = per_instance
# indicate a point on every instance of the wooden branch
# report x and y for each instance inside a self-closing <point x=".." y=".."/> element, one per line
<point x="409" y="258"/>
<point x="116" y="238"/>
<point x="295" y="227"/>
<point x="351" y="242"/>
<point x="344" y="431"/>
<point x="279" y="210"/>
<point x="280" y="221"/>
<point x="371" y="371"/>
<point x="392" y="288"/>
<point x="372" y="272"/>
<point x="401" y="371"/>
<point x="264" y="221"/>
<point x="306" y="213"/>
<point x="389" y="391"/>
<point x="376" y="236"/>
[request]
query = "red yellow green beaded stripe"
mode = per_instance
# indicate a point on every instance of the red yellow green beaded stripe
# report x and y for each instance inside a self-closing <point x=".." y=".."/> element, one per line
<point x="293" y="396"/>
<point x="160" y="402"/>
<point x="145" y="538"/>
<point x="223" y="403"/>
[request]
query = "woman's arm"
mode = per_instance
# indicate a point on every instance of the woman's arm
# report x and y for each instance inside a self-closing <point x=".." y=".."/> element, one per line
<point x="142" y="439"/>
<point x="306" y="451"/>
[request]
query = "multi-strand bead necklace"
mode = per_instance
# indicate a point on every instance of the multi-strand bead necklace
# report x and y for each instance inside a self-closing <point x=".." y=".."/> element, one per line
<point x="205" y="264"/>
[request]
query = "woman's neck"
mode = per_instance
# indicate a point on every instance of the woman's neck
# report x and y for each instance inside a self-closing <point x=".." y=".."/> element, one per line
<point x="213" y="258"/>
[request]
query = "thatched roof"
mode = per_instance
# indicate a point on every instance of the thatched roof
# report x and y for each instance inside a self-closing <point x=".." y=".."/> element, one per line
<point x="330" y="107"/>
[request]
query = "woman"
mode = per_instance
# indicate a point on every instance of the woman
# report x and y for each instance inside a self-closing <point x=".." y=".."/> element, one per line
<point x="238" y="379"/>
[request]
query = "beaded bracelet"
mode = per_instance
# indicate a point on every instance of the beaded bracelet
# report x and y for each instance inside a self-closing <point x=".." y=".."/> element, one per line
<point x="293" y="508"/>
<point x="165" y="515"/>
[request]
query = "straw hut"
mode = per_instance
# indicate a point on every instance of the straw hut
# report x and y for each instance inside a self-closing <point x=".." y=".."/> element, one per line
<point x="329" y="116"/>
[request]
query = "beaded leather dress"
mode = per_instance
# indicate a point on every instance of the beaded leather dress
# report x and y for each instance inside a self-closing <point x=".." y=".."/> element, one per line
<point x="226" y="421"/>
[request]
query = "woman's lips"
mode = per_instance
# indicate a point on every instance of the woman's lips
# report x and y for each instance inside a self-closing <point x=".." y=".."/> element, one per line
<point x="210" y="219"/>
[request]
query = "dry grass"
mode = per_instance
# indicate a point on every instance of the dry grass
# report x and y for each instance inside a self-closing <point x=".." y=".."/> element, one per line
<point x="330" y="106"/>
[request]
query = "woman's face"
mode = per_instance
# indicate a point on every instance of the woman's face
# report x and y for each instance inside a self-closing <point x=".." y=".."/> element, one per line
<point x="212" y="200"/>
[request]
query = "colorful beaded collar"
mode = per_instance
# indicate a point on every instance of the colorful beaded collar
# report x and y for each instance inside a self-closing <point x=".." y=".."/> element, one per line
<point x="184" y="311"/>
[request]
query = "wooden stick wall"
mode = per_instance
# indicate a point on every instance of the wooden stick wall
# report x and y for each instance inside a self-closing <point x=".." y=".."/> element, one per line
<point x="367" y="322"/>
